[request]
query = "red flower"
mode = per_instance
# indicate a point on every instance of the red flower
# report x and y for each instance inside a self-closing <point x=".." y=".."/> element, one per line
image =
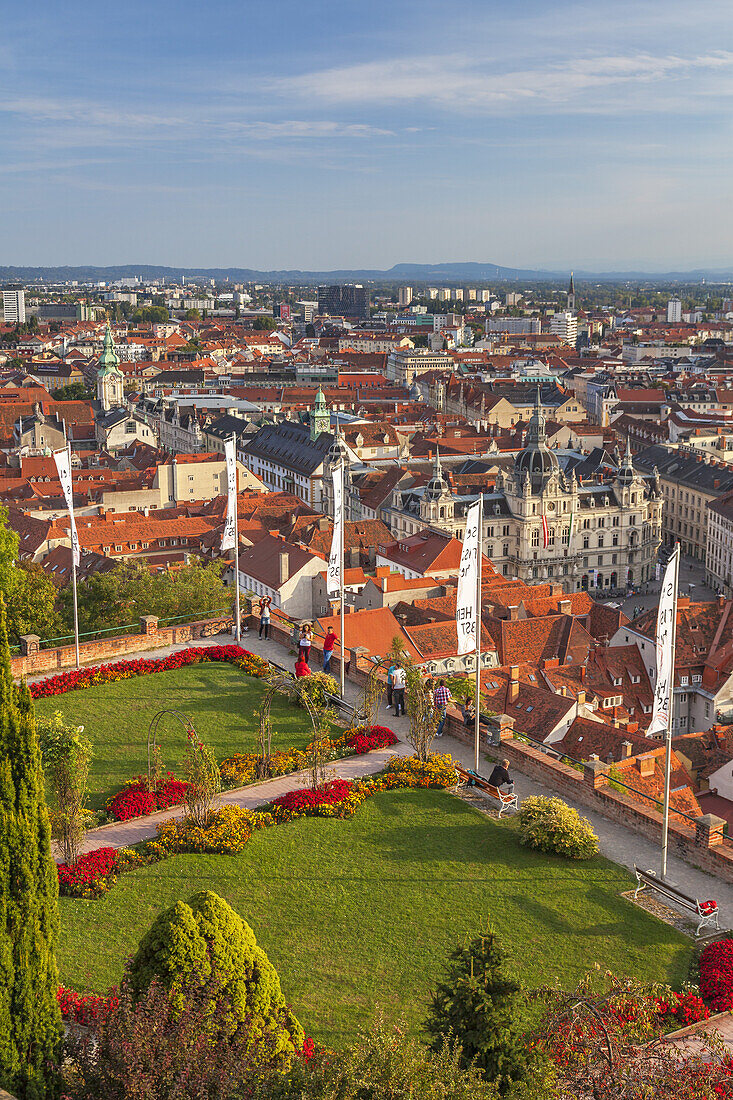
<point x="329" y="795"/>
<point x="84" y="1008"/>
<point x="88" y="871"/>
<point x="371" y="737"/>
<point x="716" y="974"/>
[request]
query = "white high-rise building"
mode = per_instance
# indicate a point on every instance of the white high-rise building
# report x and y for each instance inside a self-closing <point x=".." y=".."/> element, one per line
<point x="458" y="294"/>
<point x="565" y="325"/>
<point x="14" y="306"/>
<point x="485" y="295"/>
<point x="674" y="311"/>
<point x="404" y="296"/>
<point x="444" y="294"/>
<point x="472" y="294"/>
<point x="432" y="292"/>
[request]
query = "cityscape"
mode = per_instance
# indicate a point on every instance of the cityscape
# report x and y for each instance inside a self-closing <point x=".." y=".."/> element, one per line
<point x="366" y="643"/>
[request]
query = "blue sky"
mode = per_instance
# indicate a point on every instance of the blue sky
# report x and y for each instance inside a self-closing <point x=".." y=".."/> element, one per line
<point x="321" y="135"/>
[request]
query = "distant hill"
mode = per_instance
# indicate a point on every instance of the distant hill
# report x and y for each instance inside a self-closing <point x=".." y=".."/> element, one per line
<point x="417" y="273"/>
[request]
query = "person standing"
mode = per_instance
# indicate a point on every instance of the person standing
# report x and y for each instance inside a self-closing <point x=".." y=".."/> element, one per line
<point x="304" y="642"/>
<point x="399" y="681"/>
<point x="265" y="602"/>
<point x="441" y="699"/>
<point x="390" y="678"/>
<point x="328" y="643"/>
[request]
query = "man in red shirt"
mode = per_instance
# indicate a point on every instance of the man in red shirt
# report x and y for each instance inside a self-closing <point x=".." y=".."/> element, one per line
<point x="328" y="643"/>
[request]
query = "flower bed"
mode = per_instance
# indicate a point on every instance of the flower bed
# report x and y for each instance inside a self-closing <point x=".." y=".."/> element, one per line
<point x="77" y="679"/>
<point x="241" y="768"/>
<point x="716" y="975"/>
<point x="83" y="1008"/>
<point x="231" y="827"/>
<point x="135" y="800"/>
<point x="90" y="876"/>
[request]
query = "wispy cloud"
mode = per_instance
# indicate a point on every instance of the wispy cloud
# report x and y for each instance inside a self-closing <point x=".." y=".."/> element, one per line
<point x="463" y="82"/>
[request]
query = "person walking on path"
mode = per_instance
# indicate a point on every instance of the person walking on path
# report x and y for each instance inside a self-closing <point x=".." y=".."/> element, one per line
<point x="265" y="602"/>
<point x="441" y="699"/>
<point x="305" y="641"/>
<point x="390" y="678"/>
<point x="301" y="668"/>
<point x="328" y="643"/>
<point x="399" y="680"/>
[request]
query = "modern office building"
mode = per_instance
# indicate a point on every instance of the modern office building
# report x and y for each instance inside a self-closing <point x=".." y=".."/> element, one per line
<point x="404" y="296"/>
<point x="565" y="325"/>
<point x="674" y="311"/>
<point x="344" y="300"/>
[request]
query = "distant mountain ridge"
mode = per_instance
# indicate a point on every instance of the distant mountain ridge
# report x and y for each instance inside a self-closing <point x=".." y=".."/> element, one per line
<point x="448" y="272"/>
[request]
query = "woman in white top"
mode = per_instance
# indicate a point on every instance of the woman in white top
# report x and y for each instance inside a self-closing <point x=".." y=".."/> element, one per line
<point x="305" y="642"/>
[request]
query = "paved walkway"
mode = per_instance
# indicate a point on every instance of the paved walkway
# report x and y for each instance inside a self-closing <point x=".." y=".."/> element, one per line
<point x="616" y="843"/>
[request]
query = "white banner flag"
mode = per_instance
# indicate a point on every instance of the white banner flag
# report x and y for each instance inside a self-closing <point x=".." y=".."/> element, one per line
<point x="467" y="582"/>
<point x="663" y="687"/>
<point x="227" y="539"/>
<point x="63" y="467"/>
<point x="333" y="576"/>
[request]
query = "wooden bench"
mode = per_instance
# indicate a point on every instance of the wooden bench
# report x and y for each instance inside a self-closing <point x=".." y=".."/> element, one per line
<point x="698" y="909"/>
<point x="473" y="779"/>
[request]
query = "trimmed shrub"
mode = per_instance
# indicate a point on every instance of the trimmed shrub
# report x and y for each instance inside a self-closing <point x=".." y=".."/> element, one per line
<point x="205" y="938"/>
<point x="316" y="688"/>
<point x="550" y="825"/>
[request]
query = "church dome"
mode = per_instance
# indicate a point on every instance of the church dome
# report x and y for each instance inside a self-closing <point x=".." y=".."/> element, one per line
<point x="437" y="487"/>
<point x="536" y="461"/>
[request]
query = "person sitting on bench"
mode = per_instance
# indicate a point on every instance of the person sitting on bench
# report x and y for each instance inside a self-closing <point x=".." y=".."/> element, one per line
<point x="501" y="779"/>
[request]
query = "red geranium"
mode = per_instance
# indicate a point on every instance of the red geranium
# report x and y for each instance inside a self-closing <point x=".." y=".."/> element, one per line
<point x="371" y="737"/>
<point x="84" y="1008"/>
<point x="328" y="795"/>
<point x="716" y="974"/>
<point x="88" y="870"/>
<point x="135" y="800"/>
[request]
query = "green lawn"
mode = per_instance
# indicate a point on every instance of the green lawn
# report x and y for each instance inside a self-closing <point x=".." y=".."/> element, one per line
<point x="217" y="696"/>
<point x="364" y="912"/>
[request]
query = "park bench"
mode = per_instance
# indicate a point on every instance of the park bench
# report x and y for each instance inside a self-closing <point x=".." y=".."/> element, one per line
<point x="704" y="912"/>
<point x="471" y="778"/>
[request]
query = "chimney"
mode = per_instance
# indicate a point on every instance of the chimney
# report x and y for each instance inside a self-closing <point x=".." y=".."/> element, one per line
<point x="645" y="764"/>
<point x="513" y="614"/>
<point x="514" y="684"/>
<point x="284" y="567"/>
<point x="551" y="662"/>
<point x="581" y="698"/>
<point x="626" y="748"/>
<point x="566" y="607"/>
<point x="721" y="601"/>
<point x="384" y="583"/>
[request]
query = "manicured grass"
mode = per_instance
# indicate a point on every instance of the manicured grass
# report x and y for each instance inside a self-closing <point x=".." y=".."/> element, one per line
<point x="364" y="912"/>
<point x="218" y="698"/>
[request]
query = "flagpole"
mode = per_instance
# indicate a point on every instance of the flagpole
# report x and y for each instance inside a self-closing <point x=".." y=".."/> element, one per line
<point x="477" y="701"/>
<point x="670" y="713"/>
<point x="341" y="578"/>
<point x="73" y="562"/>
<point x="238" y="629"/>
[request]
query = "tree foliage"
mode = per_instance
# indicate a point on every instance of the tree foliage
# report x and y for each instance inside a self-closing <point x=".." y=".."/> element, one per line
<point x="120" y="597"/>
<point x="147" y="1048"/>
<point x="75" y="391"/>
<point x="477" y="1006"/>
<point x="30" y="1025"/>
<point x="66" y="754"/>
<point x="383" y="1064"/>
<point x="31" y="603"/>
<point x="204" y="937"/>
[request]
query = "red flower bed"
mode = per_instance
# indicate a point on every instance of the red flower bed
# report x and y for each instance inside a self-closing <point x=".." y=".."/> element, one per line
<point x="135" y="800"/>
<point x="716" y="975"/>
<point x="144" y="666"/>
<point x="89" y="875"/>
<point x="682" y="1009"/>
<point x="329" y="795"/>
<point x="83" y="1008"/>
<point x="371" y="737"/>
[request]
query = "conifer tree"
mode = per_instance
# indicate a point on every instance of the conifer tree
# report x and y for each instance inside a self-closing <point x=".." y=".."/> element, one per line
<point x="477" y="1008"/>
<point x="30" y="1023"/>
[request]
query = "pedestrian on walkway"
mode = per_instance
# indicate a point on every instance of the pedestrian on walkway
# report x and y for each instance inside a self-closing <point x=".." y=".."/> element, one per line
<point x="305" y="641"/>
<point x="328" y="643"/>
<point x="390" y="678"/>
<point x="441" y="699"/>
<point x="399" y="680"/>
<point x="265" y="602"/>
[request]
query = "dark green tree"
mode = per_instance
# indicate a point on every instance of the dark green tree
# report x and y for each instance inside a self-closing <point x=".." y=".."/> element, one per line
<point x="205" y="938"/>
<point x="30" y="1023"/>
<point x="477" y="1007"/>
<point x="264" y="324"/>
<point x="31" y="602"/>
<point x="75" y="391"/>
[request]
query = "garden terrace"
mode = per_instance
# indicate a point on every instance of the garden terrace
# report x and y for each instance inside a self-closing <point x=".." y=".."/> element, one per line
<point x="219" y="698"/>
<point x="363" y="912"/>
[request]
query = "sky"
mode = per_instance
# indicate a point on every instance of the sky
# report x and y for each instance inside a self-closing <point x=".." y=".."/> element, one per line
<point x="329" y="135"/>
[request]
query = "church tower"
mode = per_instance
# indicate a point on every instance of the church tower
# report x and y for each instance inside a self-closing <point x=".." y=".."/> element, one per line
<point x="320" y="416"/>
<point x="571" y="294"/>
<point x="437" y="505"/>
<point x="110" y="380"/>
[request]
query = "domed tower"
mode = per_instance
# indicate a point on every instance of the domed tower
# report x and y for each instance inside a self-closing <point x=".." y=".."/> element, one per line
<point x="437" y="504"/>
<point x="110" y="380"/>
<point x="337" y="453"/>
<point x="320" y="417"/>
<point x="626" y="469"/>
<point x="536" y="462"/>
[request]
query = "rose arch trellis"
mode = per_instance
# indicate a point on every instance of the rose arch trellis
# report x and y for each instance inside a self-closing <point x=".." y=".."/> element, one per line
<point x="153" y="742"/>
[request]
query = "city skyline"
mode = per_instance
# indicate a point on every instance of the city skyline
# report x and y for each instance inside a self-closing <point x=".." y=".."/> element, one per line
<point x="335" y="138"/>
